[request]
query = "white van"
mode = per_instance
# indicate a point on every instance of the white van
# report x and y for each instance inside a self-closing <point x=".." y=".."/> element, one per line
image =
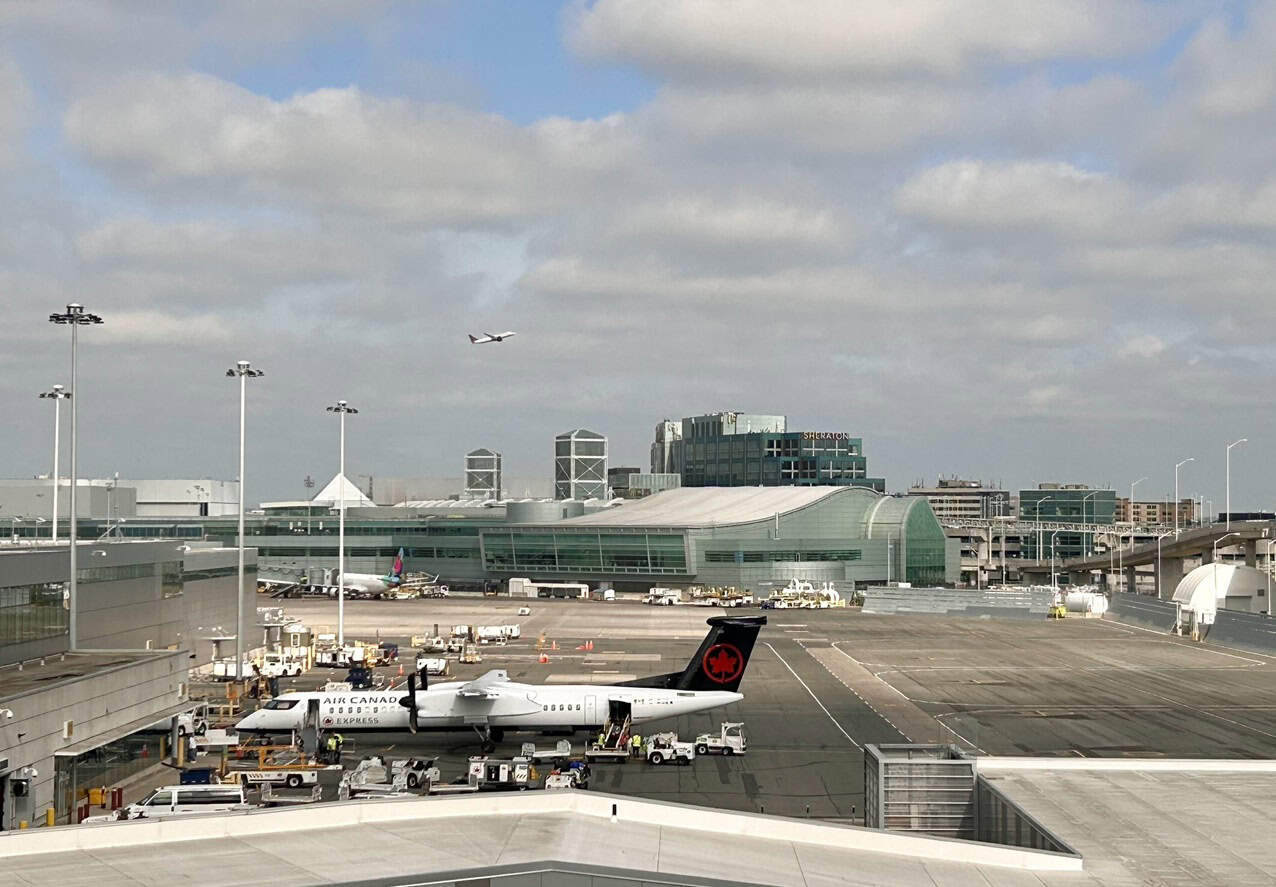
<point x="184" y="800"/>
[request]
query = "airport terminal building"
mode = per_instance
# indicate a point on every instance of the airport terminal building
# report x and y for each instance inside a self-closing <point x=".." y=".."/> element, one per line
<point x="97" y="711"/>
<point x="748" y="537"/>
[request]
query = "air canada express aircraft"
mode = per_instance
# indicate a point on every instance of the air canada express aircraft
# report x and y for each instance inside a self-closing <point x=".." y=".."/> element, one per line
<point x="492" y="704"/>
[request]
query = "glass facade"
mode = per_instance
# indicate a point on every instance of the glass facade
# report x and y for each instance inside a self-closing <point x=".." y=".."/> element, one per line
<point x="32" y="612"/>
<point x="1051" y="505"/>
<point x="582" y="551"/>
<point x="109" y="764"/>
<point x="925" y="551"/>
<point x="793" y="458"/>
<point x="762" y="557"/>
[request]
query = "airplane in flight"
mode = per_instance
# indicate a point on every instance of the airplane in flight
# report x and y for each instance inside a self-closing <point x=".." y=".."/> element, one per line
<point x="492" y="704"/>
<point x="491" y="337"/>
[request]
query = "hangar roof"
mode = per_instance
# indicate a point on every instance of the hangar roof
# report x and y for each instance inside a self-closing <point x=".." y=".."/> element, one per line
<point x="710" y="506"/>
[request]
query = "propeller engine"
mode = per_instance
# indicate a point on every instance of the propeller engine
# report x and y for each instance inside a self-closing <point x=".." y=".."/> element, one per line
<point x="409" y="701"/>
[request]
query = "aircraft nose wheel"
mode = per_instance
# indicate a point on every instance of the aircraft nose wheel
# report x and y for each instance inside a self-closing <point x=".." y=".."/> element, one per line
<point x="488" y="739"/>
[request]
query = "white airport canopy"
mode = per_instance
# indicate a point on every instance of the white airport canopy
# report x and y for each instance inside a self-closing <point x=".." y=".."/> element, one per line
<point x="708" y="506"/>
<point x="340" y="488"/>
<point x="1207" y="588"/>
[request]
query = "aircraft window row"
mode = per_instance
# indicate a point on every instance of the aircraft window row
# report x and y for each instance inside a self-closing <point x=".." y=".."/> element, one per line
<point x="560" y="707"/>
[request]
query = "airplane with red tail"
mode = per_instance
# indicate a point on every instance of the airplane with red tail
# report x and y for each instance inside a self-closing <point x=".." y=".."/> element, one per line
<point x="492" y="704"/>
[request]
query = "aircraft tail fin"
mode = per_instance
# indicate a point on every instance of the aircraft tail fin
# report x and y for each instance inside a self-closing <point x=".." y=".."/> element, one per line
<point x="473" y="339"/>
<point x="720" y="661"/>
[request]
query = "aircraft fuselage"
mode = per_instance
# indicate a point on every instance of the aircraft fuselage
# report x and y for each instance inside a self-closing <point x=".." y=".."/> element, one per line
<point x="517" y="707"/>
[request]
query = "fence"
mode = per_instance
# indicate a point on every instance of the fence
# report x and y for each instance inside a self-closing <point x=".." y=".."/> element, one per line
<point x="1018" y="603"/>
<point x="1246" y="631"/>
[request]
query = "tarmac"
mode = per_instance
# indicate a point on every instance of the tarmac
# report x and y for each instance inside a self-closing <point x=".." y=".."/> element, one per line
<point x="1102" y="702"/>
<point x="821" y="684"/>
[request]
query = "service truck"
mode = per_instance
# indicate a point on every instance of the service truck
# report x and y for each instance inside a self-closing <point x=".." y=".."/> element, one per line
<point x="728" y="741"/>
<point x="667" y="748"/>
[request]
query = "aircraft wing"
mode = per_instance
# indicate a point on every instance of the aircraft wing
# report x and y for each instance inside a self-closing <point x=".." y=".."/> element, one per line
<point x="488" y="686"/>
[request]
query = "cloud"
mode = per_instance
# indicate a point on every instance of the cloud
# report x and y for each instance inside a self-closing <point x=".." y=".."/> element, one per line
<point x="1142" y="346"/>
<point x="729" y="39"/>
<point x="1048" y="196"/>
<point x="15" y="110"/>
<point x="1003" y="228"/>
<point x="159" y="328"/>
<point x="331" y="150"/>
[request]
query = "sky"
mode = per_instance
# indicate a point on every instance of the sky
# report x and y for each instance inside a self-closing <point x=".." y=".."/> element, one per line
<point x="1020" y="241"/>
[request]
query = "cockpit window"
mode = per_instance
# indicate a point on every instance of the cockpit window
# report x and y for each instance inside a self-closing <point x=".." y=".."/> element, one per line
<point x="280" y="704"/>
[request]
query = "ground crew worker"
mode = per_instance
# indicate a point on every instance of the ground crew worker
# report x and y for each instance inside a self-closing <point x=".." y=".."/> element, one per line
<point x="331" y="748"/>
<point x="341" y="741"/>
<point x="602" y="738"/>
<point x="634" y="742"/>
<point x="638" y="739"/>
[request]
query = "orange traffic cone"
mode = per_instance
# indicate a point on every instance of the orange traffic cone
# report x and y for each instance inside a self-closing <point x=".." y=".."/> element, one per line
<point x="544" y="659"/>
<point x="555" y="647"/>
<point x="589" y="645"/>
<point x="400" y="669"/>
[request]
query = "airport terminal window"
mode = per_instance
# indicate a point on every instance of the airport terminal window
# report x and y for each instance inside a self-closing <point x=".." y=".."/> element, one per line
<point x="115" y="574"/>
<point x="32" y="612"/>
<point x="216" y="573"/>
<point x="758" y="557"/>
<point x="171" y="578"/>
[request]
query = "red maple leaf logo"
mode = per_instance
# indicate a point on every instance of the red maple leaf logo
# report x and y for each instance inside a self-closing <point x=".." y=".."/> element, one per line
<point x="722" y="663"/>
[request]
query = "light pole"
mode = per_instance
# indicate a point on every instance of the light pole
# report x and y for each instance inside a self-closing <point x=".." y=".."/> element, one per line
<point x="1054" y="582"/>
<point x="57" y="393"/>
<point x="1229" y="480"/>
<point x="1271" y="544"/>
<point x="343" y="408"/>
<point x="1132" y="486"/>
<point x="244" y="370"/>
<point x="75" y="316"/>
<point x="1176" y="492"/>
<point x="1090" y="548"/>
<point x="1158" y="562"/>
<point x="1037" y="506"/>
<point x="1215" y="561"/>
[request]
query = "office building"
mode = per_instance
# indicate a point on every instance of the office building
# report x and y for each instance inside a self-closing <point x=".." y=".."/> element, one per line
<point x="665" y="451"/>
<point x="618" y="478"/>
<point x="645" y="484"/>
<point x="956" y="501"/>
<point x="1160" y="513"/>
<point x="1060" y="507"/>
<point x="482" y="475"/>
<point x="580" y="465"/>
<point x="743" y="450"/>
<point x="184" y="497"/>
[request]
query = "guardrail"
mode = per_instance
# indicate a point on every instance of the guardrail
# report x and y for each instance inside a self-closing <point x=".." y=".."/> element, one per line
<point x="596" y="805"/>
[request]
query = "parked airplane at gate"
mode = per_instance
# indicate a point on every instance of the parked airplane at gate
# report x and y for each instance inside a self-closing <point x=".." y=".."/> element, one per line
<point x="491" y="337"/>
<point x="492" y="704"/>
<point x="367" y="583"/>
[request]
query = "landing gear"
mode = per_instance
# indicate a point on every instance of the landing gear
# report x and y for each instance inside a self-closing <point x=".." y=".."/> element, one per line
<point x="488" y="737"/>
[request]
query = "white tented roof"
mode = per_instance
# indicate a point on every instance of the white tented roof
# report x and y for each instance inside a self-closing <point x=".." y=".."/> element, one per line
<point x="707" y="506"/>
<point x="340" y="488"/>
<point x="1205" y="589"/>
